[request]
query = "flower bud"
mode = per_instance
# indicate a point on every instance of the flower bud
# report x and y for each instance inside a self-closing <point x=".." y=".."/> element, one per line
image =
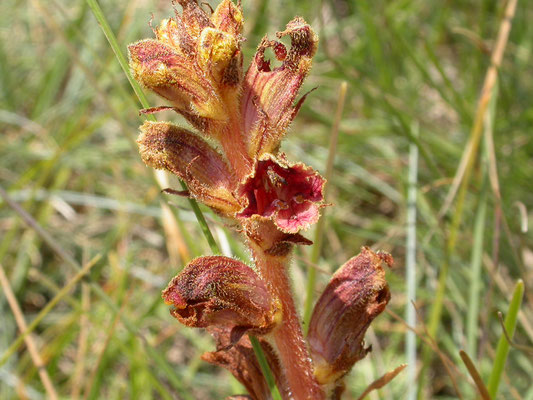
<point x="222" y="292"/>
<point x="356" y="294"/>
<point x="228" y="18"/>
<point x="219" y="55"/>
<point x="195" y="62"/>
<point x="170" y="74"/>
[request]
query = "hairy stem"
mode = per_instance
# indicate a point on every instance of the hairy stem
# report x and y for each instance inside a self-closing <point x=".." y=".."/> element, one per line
<point x="288" y="337"/>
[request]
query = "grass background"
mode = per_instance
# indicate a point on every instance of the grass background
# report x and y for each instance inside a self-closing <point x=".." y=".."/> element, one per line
<point x="414" y="70"/>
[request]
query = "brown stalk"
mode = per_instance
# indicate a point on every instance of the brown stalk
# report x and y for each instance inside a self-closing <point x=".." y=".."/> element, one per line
<point x="82" y="343"/>
<point x="520" y="347"/>
<point x="288" y="337"/>
<point x="382" y="381"/>
<point x="462" y="176"/>
<point x="431" y="343"/>
<point x="475" y="375"/>
<point x="231" y="139"/>
<point x="28" y="339"/>
<point x="445" y="361"/>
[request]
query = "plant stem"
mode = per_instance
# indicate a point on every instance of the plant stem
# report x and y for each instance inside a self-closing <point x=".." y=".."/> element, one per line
<point x="288" y="337"/>
<point x="234" y="147"/>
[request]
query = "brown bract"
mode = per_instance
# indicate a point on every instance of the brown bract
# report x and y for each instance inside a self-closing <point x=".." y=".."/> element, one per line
<point x="356" y="294"/>
<point x="165" y="146"/>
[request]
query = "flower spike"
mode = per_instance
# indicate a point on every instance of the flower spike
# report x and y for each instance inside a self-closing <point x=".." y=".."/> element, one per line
<point x="232" y="163"/>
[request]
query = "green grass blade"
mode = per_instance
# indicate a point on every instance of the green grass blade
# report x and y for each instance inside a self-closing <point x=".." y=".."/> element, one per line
<point x="263" y="363"/>
<point x="410" y="266"/>
<point x="111" y="38"/>
<point x="44" y="312"/>
<point x="503" y="345"/>
<point x="319" y="231"/>
<point x="472" y="323"/>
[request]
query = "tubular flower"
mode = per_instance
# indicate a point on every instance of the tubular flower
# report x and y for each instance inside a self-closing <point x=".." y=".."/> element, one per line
<point x="290" y="195"/>
<point x="356" y="294"/>
<point x="222" y="292"/>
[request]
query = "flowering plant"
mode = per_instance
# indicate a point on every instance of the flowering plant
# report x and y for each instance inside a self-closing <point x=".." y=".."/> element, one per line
<point x="231" y="162"/>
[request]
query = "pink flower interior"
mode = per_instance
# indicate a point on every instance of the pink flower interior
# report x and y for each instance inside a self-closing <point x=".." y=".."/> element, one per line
<point x="290" y="195"/>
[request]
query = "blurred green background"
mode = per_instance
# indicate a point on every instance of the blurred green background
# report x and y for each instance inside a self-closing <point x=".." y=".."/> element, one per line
<point x="414" y="69"/>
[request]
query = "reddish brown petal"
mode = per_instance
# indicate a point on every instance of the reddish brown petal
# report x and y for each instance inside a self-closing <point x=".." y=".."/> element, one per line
<point x="222" y="292"/>
<point x="165" y="146"/>
<point x="269" y="95"/>
<point x="356" y="295"/>
<point x="267" y="236"/>
<point x="290" y="195"/>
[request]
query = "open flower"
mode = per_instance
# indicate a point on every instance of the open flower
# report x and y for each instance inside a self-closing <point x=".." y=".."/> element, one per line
<point x="268" y="94"/>
<point x="290" y="195"/>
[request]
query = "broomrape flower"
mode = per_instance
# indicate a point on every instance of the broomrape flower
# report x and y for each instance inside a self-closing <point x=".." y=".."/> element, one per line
<point x="231" y="162"/>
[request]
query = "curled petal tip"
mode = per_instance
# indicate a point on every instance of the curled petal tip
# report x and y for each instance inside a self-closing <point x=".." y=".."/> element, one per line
<point x="267" y="104"/>
<point x="228" y="18"/>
